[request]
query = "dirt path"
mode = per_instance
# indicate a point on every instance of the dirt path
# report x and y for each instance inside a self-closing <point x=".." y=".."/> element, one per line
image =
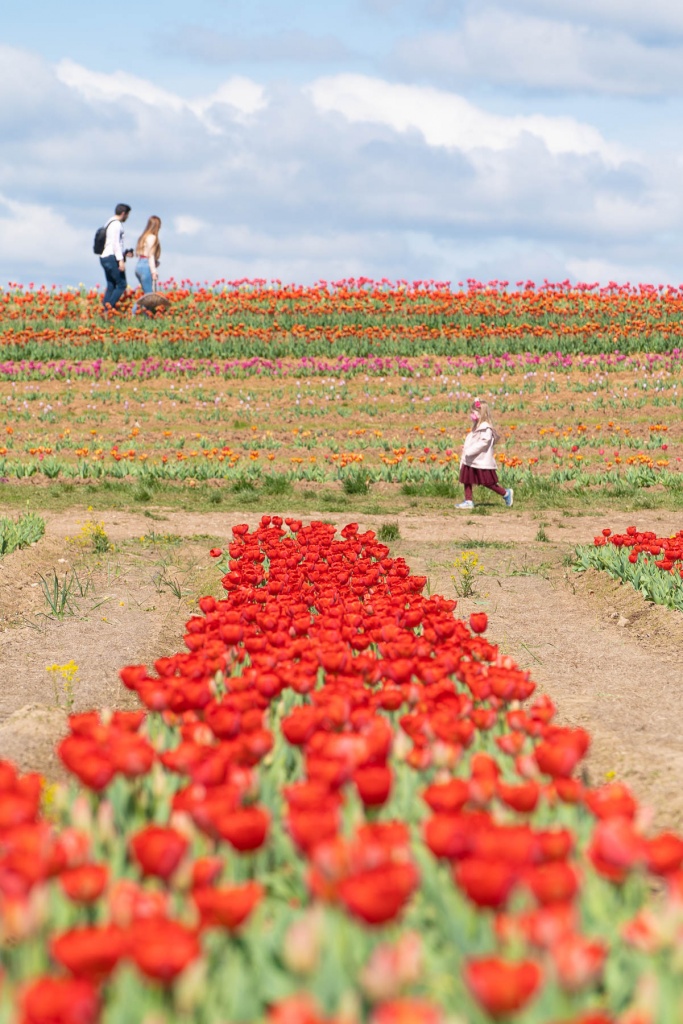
<point x="609" y="661"/>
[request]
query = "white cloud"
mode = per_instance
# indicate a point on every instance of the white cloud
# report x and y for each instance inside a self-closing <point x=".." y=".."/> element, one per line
<point x="553" y="51"/>
<point x="243" y="95"/>
<point x="603" y="270"/>
<point x="185" y="224"/>
<point x="657" y="17"/>
<point x="350" y="176"/>
<point x="31" y="233"/>
<point x="446" y="119"/>
<point x="223" y="48"/>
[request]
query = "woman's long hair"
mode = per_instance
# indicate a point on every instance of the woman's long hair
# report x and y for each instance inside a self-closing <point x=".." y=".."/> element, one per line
<point x="152" y="228"/>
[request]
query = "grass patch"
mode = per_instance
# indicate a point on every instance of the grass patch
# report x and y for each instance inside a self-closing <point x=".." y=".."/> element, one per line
<point x="469" y="542"/>
<point x="167" y="496"/>
<point x="243" y="485"/>
<point x="388" y="532"/>
<point x="431" y="489"/>
<point x="277" y="485"/>
<point x="355" y="483"/>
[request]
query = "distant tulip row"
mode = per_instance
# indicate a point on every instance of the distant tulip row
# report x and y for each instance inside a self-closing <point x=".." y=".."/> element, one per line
<point x="651" y="564"/>
<point x="339" y="805"/>
<point x="359" y="317"/>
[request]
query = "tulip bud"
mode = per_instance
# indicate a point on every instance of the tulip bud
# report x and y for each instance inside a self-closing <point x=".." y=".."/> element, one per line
<point x="190" y="988"/>
<point x="81" y="814"/>
<point x="445" y="755"/>
<point x="402" y="746"/>
<point x="301" y="950"/>
<point x="105" y="821"/>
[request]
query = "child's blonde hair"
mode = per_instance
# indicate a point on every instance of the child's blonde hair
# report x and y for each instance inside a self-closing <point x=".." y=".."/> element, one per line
<point x="482" y="407"/>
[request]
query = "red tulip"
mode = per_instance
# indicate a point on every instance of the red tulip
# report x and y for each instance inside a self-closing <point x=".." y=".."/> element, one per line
<point x="407" y="1011"/>
<point x="228" y="906"/>
<point x="373" y="784"/>
<point x="478" y="622"/>
<point x="205" y="871"/>
<point x="60" y="1001"/>
<point x="245" y="829"/>
<point x="162" y="948"/>
<point x="158" y="850"/>
<point x="556" y="882"/>
<point x="486" y="883"/>
<point x="613" y="800"/>
<point x="84" y="884"/>
<point x="664" y="853"/>
<point x="446" y="796"/>
<point x="90" y="953"/>
<point x="501" y="987"/>
<point x="297" y="1009"/>
<point x="522" y="798"/>
<point x="379" y="896"/>
<point x="578" y="961"/>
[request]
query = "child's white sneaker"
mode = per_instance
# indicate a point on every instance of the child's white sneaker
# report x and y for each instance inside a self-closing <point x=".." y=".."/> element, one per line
<point x="509" y="497"/>
<point x="465" y="504"/>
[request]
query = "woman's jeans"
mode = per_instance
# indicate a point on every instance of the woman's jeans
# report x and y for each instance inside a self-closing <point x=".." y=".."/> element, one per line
<point x="116" y="281"/>
<point x="144" y="275"/>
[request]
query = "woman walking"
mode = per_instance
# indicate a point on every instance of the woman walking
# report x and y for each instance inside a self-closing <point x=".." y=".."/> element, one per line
<point x="477" y="463"/>
<point x="148" y="251"/>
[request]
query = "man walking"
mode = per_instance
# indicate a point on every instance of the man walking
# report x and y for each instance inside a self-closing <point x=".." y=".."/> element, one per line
<point x="113" y="258"/>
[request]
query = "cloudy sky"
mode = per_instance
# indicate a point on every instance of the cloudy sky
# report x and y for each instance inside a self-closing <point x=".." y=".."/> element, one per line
<point x="416" y="139"/>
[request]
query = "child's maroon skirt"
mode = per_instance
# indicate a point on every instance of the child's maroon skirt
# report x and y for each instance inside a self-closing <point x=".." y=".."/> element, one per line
<point x="472" y="477"/>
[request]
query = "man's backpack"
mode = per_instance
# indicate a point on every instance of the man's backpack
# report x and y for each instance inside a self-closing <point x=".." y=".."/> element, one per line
<point x="101" y="238"/>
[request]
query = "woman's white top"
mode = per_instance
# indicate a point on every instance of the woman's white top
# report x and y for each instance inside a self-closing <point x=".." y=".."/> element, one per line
<point x="146" y="251"/>
<point x="477" y="451"/>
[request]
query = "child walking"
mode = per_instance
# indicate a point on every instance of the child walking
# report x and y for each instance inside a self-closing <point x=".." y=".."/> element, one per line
<point x="477" y="464"/>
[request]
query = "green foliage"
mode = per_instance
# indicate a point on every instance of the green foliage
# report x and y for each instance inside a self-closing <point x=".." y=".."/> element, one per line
<point x="356" y="482"/>
<point x="388" y="532"/>
<point x="59" y="593"/>
<point x="277" y="484"/>
<point x="27" y="529"/>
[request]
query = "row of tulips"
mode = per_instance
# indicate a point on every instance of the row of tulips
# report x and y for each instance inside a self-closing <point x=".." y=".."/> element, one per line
<point x="362" y="318"/>
<point x="339" y="804"/>
<point x="651" y="564"/>
<point x="188" y="368"/>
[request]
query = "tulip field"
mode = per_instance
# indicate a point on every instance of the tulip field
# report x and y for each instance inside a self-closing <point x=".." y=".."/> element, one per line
<point x="336" y="798"/>
<point x="338" y="803"/>
<point x="264" y="389"/>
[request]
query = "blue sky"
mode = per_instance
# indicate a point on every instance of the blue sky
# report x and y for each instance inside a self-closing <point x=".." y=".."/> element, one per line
<point x="496" y="139"/>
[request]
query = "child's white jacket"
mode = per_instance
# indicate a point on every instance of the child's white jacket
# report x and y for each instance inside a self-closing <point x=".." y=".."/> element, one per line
<point x="477" y="451"/>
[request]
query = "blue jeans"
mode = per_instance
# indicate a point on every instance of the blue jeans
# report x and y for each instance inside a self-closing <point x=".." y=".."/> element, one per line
<point x="144" y="275"/>
<point x="116" y="281"/>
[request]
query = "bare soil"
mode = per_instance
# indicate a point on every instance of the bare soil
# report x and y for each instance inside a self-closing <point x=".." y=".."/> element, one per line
<point x="609" y="660"/>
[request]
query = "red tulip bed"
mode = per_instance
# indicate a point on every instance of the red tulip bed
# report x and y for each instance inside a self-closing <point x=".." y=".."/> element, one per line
<point x="651" y="564"/>
<point x="341" y="804"/>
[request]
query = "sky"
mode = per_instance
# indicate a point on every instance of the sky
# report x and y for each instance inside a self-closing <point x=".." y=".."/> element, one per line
<point x="403" y="139"/>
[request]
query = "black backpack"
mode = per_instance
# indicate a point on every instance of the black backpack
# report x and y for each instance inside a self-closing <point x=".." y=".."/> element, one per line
<point x="101" y="238"/>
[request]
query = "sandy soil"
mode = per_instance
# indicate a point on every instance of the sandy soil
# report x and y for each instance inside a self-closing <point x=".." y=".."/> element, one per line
<point x="609" y="661"/>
